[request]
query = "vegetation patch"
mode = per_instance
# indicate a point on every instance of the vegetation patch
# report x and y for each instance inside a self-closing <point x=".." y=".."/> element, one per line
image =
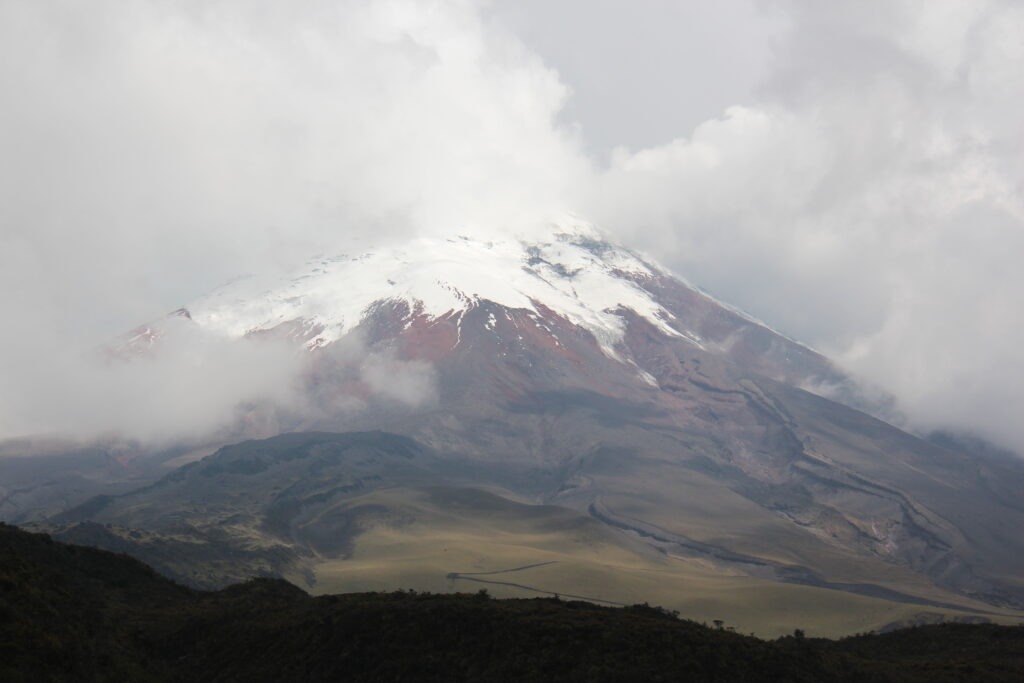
<point x="76" y="613"/>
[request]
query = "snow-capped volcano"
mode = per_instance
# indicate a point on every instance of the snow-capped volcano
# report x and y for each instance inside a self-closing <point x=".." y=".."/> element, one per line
<point x="572" y="284"/>
<point x="572" y="372"/>
<point x="574" y="274"/>
<point x="572" y="292"/>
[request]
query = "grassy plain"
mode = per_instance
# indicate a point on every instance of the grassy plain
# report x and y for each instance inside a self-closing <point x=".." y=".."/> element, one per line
<point x="448" y="540"/>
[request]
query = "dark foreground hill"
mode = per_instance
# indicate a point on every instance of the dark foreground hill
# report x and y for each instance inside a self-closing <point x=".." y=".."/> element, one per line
<point x="77" y="613"/>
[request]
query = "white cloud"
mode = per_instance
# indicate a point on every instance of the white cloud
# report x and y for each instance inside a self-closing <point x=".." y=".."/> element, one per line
<point x="193" y="385"/>
<point x="870" y="203"/>
<point x="174" y="145"/>
<point x="412" y="383"/>
<point x="865" y="197"/>
<point x="152" y="151"/>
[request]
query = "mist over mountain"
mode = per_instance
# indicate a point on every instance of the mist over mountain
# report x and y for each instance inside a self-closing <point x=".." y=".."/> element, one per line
<point x="851" y="175"/>
<point x="559" y="416"/>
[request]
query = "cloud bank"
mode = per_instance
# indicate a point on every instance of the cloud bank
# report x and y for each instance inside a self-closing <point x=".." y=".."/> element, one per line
<point x="869" y="203"/>
<point x="858" y="185"/>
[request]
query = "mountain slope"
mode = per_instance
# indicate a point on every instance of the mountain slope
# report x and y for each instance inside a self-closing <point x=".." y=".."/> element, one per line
<point x="574" y="377"/>
<point x="374" y="511"/>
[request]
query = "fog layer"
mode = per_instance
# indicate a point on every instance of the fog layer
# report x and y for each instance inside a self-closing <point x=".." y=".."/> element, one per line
<point x="854" y="179"/>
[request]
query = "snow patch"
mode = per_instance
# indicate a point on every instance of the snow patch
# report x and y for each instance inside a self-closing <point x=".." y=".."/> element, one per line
<point x="575" y="275"/>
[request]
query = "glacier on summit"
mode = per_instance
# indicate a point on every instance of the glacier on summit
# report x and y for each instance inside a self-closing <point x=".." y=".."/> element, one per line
<point x="574" y="274"/>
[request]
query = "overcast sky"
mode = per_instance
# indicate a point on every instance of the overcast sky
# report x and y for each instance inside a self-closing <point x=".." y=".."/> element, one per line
<point x="850" y="172"/>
